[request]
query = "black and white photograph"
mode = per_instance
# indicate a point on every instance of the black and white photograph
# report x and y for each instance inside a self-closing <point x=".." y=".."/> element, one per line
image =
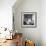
<point x="29" y="19"/>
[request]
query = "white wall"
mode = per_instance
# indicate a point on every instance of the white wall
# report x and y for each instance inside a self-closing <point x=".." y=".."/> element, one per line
<point x="29" y="6"/>
<point x="38" y="34"/>
<point x="6" y="13"/>
<point x="43" y="22"/>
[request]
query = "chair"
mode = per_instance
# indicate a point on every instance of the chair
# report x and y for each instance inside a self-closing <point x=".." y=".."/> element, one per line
<point x="29" y="43"/>
<point x="18" y="39"/>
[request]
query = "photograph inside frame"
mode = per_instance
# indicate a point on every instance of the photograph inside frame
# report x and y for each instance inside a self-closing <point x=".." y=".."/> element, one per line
<point x="29" y="19"/>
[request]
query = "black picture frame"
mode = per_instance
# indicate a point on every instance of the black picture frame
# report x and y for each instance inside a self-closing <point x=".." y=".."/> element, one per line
<point x="29" y="19"/>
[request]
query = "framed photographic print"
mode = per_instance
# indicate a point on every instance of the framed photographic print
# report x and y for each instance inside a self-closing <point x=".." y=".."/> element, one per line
<point x="29" y="19"/>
